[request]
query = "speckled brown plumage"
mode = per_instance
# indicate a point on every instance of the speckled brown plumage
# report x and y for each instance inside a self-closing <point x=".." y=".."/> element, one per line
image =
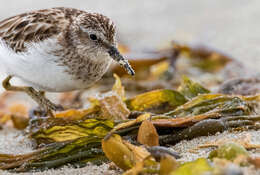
<point x="20" y="30"/>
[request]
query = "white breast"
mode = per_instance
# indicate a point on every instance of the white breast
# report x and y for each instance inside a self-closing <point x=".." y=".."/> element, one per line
<point x="37" y="67"/>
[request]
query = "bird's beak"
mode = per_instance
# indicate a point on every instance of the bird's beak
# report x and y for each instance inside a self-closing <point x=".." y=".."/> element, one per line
<point x="114" y="53"/>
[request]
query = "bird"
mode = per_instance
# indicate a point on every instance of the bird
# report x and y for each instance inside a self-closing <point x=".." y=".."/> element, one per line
<point x="57" y="50"/>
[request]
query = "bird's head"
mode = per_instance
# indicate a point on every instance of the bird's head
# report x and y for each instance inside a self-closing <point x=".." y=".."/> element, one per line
<point x="96" y="33"/>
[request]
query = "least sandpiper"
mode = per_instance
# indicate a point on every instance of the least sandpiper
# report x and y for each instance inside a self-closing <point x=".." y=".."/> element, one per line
<point x="57" y="50"/>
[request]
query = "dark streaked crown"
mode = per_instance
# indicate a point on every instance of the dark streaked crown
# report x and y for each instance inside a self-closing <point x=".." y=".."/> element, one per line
<point x="100" y="23"/>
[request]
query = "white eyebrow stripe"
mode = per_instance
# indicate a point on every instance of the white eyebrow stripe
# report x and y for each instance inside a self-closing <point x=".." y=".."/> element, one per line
<point x="84" y="29"/>
<point x="91" y="31"/>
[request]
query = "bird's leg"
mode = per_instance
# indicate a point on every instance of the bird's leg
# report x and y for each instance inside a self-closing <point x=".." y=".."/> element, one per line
<point x="37" y="96"/>
<point x="55" y="107"/>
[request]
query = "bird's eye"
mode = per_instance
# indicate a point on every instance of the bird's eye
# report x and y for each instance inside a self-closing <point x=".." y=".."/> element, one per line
<point x="93" y="37"/>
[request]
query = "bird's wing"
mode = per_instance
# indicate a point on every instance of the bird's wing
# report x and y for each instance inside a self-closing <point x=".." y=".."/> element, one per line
<point x="19" y="31"/>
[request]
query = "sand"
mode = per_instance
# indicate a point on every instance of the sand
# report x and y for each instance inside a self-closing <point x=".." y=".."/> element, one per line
<point x="230" y="26"/>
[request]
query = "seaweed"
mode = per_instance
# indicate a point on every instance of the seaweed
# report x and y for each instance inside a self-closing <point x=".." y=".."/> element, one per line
<point x="135" y="132"/>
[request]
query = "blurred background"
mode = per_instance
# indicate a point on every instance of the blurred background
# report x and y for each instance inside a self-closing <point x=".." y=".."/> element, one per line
<point x="227" y="25"/>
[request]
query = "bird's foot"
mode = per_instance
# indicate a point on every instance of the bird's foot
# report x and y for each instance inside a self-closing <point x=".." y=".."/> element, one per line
<point x="44" y="103"/>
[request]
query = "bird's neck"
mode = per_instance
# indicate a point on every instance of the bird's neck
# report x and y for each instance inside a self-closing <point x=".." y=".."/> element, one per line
<point x="83" y="65"/>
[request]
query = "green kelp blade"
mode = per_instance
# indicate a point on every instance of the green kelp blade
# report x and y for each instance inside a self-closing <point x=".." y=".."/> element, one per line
<point x="78" y="151"/>
<point x="213" y="103"/>
<point x="58" y="130"/>
<point x="191" y="89"/>
<point x="157" y="101"/>
<point x="228" y="151"/>
<point x="197" y="167"/>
